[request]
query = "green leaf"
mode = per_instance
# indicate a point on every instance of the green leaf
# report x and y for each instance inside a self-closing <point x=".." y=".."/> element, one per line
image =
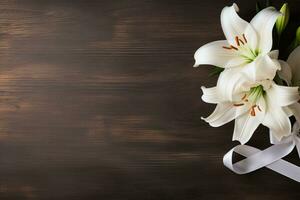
<point x="278" y="80"/>
<point x="216" y="71"/>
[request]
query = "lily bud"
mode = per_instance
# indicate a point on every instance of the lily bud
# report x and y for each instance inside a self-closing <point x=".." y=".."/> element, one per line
<point x="283" y="20"/>
<point x="257" y="7"/>
<point x="298" y="36"/>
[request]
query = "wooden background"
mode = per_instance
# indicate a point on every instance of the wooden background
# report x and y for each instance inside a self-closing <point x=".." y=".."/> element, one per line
<point x="99" y="100"/>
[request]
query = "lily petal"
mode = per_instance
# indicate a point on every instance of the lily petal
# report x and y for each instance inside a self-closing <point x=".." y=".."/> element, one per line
<point x="211" y="95"/>
<point x="276" y="119"/>
<point x="294" y="62"/>
<point x="214" y="54"/>
<point x="285" y="73"/>
<point x="295" y="108"/>
<point x="274" y="54"/>
<point x="261" y="68"/>
<point x="279" y="123"/>
<point x="283" y="95"/>
<point x="288" y="111"/>
<point x="230" y="80"/>
<point x="234" y="26"/>
<point x="224" y="113"/>
<point x="246" y="124"/>
<point x="263" y="22"/>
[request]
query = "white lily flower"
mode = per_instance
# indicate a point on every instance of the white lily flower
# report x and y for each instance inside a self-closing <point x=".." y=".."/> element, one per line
<point x="247" y="46"/>
<point x="290" y="73"/>
<point x="263" y="102"/>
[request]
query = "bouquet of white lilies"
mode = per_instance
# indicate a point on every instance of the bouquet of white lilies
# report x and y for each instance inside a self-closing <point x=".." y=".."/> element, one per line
<point x="255" y="87"/>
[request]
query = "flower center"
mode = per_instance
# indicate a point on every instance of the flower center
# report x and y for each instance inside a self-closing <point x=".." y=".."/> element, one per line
<point x="255" y="93"/>
<point x="251" y="97"/>
<point x="243" y="49"/>
<point x="248" y="54"/>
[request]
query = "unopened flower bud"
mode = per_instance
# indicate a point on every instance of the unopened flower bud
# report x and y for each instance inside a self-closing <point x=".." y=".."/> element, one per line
<point x="283" y="19"/>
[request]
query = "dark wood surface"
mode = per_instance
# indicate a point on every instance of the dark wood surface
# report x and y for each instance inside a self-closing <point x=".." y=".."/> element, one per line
<point x="99" y="100"/>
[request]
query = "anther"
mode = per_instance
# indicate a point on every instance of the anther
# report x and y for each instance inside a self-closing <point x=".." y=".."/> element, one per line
<point x="245" y="95"/>
<point x="245" y="38"/>
<point x="224" y="47"/>
<point x="238" y="104"/>
<point x="238" y="40"/>
<point x="233" y="47"/>
<point x="230" y="47"/>
<point x="258" y="108"/>
<point x="252" y="112"/>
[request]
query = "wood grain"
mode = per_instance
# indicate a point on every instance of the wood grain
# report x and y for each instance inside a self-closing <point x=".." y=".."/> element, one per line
<point x="99" y="100"/>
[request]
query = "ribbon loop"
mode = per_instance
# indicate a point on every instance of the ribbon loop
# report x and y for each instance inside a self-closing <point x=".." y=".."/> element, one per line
<point x="270" y="157"/>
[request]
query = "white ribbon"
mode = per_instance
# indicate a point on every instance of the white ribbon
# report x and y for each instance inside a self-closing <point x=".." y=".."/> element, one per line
<point x="270" y="157"/>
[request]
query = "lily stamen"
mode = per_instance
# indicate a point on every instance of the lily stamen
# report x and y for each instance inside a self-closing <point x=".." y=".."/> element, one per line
<point x="245" y="39"/>
<point x="244" y="97"/>
<point x="238" y="104"/>
<point x="238" y="41"/>
<point x="258" y="108"/>
<point x="230" y="47"/>
<point x="252" y="111"/>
